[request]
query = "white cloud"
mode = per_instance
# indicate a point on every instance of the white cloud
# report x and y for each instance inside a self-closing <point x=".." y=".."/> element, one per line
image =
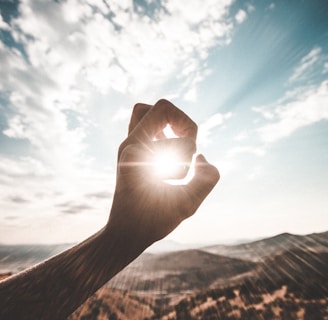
<point x="263" y="112"/>
<point x="246" y="149"/>
<point x="191" y="94"/>
<point x="75" y="56"/>
<point x="305" y="65"/>
<point x="3" y="25"/>
<point x="250" y="8"/>
<point x="325" y="68"/>
<point x="272" y="6"/>
<point x="31" y="192"/>
<point x="75" y="50"/>
<point x="241" y="16"/>
<point x="255" y="173"/>
<point x="122" y="114"/>
<point x="241" y="136"/>
<point x="205" y="129"/>
<point x="307" y="109"/>
<point x="74" y="45"/>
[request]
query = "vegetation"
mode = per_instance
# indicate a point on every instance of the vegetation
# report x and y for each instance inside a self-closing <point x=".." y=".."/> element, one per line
<point x="199" y="285"/>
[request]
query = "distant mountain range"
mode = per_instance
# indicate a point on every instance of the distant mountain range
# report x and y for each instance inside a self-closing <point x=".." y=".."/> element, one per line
<point x="221" y="264"/>
<point x="15" y="258"/>
<point x="179" y="271"/>
<point x="260" y="249"/>
<point x="282" y="277"/>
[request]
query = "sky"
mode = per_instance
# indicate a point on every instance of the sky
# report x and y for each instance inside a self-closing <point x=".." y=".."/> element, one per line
<point x="252" y="74"/>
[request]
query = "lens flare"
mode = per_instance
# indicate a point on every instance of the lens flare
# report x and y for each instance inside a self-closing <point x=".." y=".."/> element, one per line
<point x="167" y="164"/>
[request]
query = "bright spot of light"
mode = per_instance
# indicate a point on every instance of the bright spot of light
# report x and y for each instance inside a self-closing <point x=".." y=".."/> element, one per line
<point x="169" y="133"/>
<point x="167" y="164"/>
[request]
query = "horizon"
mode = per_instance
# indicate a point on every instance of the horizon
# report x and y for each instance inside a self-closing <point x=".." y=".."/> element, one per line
<point x="253" y="75"/>
<point x="185" y="245"/>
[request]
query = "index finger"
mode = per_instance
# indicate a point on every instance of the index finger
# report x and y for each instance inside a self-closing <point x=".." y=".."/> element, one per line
<point x="156" y="119"/>
<point x="139" y="111"/>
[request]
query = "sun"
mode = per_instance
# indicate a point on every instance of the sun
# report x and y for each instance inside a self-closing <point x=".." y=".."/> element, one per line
<point x="167" y="164"/>
<point x="170" y="163"/>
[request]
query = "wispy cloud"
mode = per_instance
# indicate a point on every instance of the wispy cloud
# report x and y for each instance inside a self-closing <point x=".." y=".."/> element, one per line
<point x="303" y="104"/>
<point x="3" y="24"/>
<point x="264" y="112"/>
<point x="74" y="208"/>
<point x="206" y="128"/>
<point x="305" y="65"/>
<point x="325" y="68"/>
<point x="241" y="136"/>
<point x="100" y="195"/>
<point x="241" y="16"/>
<point x="65" y="56"/>
<point x="17" y="199"/>
<point x="259" y="151"/>
<point x="272" y="6"/>
<point x="73" y="48"/>
<point x="308" y="108"/>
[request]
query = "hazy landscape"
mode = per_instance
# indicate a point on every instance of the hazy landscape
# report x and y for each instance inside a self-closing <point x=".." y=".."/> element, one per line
<point x="283" y="277"/>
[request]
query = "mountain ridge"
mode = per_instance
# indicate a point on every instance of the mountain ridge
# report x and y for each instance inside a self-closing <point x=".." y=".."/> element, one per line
<point x="259" y="249"/>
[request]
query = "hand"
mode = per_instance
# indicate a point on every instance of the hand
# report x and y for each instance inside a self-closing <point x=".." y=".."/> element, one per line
<point x="145" y="208"/>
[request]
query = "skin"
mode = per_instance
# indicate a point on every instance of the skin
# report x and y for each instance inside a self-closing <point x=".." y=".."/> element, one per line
<point x="145" y="209"/>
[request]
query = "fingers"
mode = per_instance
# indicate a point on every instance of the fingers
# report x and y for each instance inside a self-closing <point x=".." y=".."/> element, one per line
<point x="184" y="147"/>
<point x="155" y="120"/>
<point x="139" y="111"/>
<point x="205" y="178"/>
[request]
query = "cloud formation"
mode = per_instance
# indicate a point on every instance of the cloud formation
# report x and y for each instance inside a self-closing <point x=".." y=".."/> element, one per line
<point x="306" y="64"/>
<point x="62" y="56"/>
<point x="206" y="128"/>
<point x="241" y="16"/>
<point x="303" y="104"/>
<point x="73" y="48"/>
<point x="308" y="108"/>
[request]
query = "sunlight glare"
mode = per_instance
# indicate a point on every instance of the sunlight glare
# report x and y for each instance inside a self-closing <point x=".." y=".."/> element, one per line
<point x="167" y="164"/>
<point x="169" y="133"/>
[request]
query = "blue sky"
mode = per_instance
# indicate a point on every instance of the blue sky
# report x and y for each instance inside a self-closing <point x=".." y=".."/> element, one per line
<point x="252" y="74"/>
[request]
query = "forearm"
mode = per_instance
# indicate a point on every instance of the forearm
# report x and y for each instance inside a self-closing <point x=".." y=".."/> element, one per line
<point x="55" y="288"/>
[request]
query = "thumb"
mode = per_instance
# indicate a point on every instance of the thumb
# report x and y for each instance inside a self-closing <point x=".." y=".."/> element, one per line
<point x="205" y="178"/>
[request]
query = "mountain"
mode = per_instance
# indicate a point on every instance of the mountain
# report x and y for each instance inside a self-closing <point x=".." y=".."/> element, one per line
<point x="260" y="249"/>
<point x="291" y="285"/>
<point x="179" y="271"/>
<point x="15" y="258"/>
<point x="282" y="277"/>
<point x="305" y="270"/>
<point x="109" y="303"/>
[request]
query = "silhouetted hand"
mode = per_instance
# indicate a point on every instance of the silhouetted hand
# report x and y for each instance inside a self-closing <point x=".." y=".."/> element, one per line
<point x="146" y="208"/>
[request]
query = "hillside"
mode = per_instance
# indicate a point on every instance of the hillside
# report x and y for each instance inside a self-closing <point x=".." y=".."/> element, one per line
<point x="15" y="258"/>
<point x="305" y="270"/>
<point x="260" y="249"/>
<point x="179" y="271"/>
<point x="291" y="285"/>
<point x="285" y="278"/>
<point x="113" y="304"/>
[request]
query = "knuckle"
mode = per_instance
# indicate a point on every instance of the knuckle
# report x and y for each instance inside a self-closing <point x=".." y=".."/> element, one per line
<point x="137" y="106"/>
<point x="214" y="174"/>
<point x="162" y="101"/>
<point x="127" y="153"/>
<point x="194" y="128"/>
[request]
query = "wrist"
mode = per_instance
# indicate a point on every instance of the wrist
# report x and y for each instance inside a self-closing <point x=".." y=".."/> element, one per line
<point x="123" y="241"/>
